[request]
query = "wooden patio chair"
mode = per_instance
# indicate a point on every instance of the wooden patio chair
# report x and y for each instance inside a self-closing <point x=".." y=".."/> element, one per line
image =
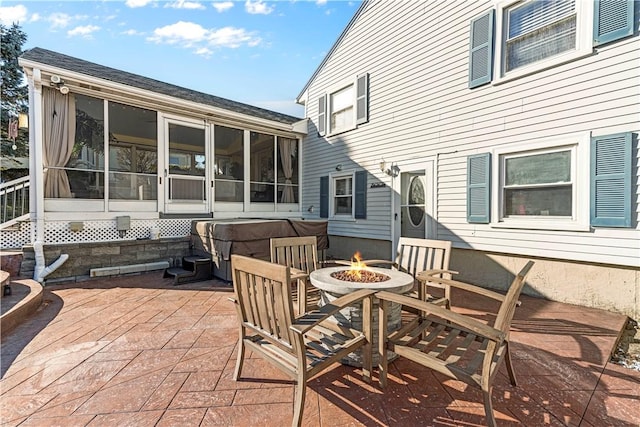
<point x="415" y="256"/>
<point x="456" y="345"/>
<point x="300" y="347"/>
<point x="301" y="254"/>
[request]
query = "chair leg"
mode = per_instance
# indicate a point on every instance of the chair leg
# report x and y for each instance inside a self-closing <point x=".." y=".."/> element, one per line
<point x="488" y="408"/>
<point x="301" y="389"/>
<point x="239" y="361"/>
<point x="383" y="362"/>
<point x="510" y="371"/>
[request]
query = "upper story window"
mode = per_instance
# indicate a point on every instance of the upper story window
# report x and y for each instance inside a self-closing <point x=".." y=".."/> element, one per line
<point x="537" y="34"/>
<point x="537" y="30"/>
<point x="521" y="37"/>
<point x="341" y="110"/>
<point x="344" y="107"/>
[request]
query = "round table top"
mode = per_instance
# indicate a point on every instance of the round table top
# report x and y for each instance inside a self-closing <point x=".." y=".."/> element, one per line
<point x="398" y="282"/>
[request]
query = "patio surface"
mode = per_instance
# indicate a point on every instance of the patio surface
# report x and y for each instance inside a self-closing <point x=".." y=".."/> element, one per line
<point x="138" y="351"/>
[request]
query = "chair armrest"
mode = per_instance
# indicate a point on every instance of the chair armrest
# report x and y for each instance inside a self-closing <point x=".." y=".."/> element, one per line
<point x="465" y="322"/>
<point x="426" y="276"/>
<point x="296" y="274"/>
<point x="311" y="319"/>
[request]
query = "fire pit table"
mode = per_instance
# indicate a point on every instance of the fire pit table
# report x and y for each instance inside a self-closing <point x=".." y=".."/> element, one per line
<point x="332" y="287"/>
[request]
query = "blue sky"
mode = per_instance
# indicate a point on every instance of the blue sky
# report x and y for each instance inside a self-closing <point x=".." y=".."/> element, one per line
<point x="257" y="52"/>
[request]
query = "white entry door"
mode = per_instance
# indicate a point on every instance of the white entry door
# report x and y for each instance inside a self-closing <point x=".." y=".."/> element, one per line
<point x="186" y="173"/>
<point x="413" y="213"/>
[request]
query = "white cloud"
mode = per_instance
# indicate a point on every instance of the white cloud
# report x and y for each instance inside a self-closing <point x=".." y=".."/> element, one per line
<point x="35" y="17"/>
<point x="223" y="6"/>
<point x="83" y="31"/>
<point x="132" y="32"/>
<point x="257" y="7"/>
<point x="232" y="37"/>
<point x="191" y="35"/>
<point x="180" y="32"/>
<point x="204" y="51"/>
<point x="59" y="20"/>
<point x="13" y="14"/>
<point x="321" y="2"/>
<point x="137" y="3"/>
<point x="184" y="4"/>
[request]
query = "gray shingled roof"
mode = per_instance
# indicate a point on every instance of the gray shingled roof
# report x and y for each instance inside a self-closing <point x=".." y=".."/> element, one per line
<point x="48" y="57"/>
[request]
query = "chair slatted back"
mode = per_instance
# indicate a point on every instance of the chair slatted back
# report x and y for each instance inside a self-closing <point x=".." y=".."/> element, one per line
<point x="416" y="255"/>
<point x="264" y="299"/>
<point x="296" y="252"/>
<point x="508" y="306"/>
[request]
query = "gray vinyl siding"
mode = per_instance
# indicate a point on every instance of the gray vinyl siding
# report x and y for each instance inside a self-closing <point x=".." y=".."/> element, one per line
<point x="420" y="106"/>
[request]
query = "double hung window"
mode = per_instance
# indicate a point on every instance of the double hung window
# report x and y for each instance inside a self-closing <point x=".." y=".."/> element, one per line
<point x="537" y="30"/>
<point x="341" y="110"/>
<point x="344" y="107"/>
<point x="521" y="37"/>
<point x="343" y="195"/>
<point x="542" y="185"/>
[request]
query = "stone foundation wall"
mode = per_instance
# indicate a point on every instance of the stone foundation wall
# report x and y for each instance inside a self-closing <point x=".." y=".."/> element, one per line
<point x="85" y="256"/>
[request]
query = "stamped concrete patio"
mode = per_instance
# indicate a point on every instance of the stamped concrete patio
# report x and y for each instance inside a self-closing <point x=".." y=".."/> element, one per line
<point x="137" y="351"/>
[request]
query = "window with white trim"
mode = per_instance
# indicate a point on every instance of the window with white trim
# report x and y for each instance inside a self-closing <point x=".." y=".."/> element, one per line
<point x="544" y="186"/>
<point x="342" y="195"/>
<point x="537" y="34"/>
<point x="344" y="107"/>
<point x="521" y="37"/>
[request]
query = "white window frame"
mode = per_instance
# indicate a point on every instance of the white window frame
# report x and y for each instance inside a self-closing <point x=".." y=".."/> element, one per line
<point x="578" y="144"/>
<point x="353" y="83"/>
<point x="584" y="42"/>
<point x="332" y="195"/>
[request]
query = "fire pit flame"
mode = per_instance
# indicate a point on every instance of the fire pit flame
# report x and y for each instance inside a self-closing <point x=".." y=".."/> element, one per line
<point x="359" y="272"/>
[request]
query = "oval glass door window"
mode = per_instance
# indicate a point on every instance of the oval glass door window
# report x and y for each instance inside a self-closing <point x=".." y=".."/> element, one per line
<point x="415" y="196"/>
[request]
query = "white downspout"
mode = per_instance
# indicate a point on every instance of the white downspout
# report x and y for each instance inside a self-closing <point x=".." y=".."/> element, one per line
<point x="36" y="147"/>
<point x="40" y="272"/>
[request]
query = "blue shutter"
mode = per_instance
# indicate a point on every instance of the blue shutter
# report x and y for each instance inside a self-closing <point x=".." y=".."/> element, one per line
<point x="322" y="115"/>
<point x="478" y="188"/>
<point x="481" y="50"/>
<point x="361" y="195"/>
<point x="362" y="99"/>
<point x="613" y="20"/>
<point x="324" y="197"/>
<point x="611" y="180"/>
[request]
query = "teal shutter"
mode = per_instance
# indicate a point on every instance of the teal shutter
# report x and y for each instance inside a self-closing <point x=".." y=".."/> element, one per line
<point x="478" y="188"/>
<point x="613" y="20"/>
<point x="611" y="180"/>
<point x="322" y="115"/>
<point x="362" y="99"/>
<point x="481" y="50"/>
<point x="324" y="197"/>
<point x="361" y="195"/>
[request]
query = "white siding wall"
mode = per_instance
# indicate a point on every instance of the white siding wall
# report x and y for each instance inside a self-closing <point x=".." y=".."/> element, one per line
<point x="416" y="54"/>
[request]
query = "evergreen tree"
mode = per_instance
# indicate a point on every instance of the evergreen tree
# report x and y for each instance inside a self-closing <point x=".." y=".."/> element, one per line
<point x="13" y="92"/>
